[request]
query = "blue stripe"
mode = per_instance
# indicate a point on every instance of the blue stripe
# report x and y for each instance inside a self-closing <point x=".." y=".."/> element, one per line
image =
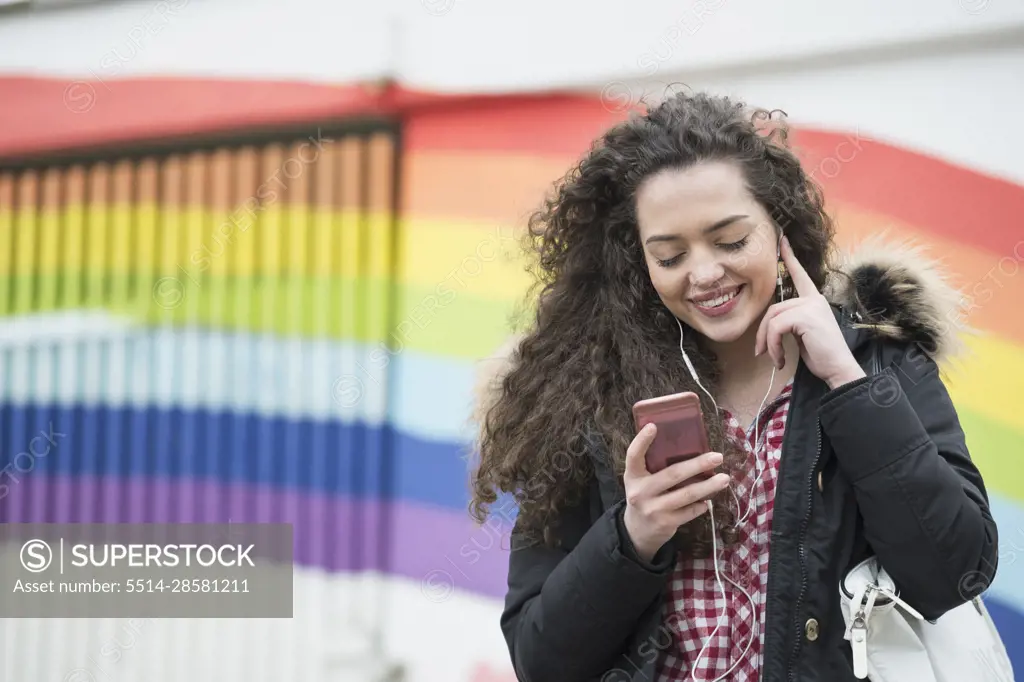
<point x="328" y="457"/>
<point x="1008" y="586"/>
<point x="270" y="374"/>
<point x="1010" y="624"/>
<point x="324" y="456"/>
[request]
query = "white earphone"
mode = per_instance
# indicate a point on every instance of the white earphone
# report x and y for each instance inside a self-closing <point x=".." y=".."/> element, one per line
<point x="750" y="501"/>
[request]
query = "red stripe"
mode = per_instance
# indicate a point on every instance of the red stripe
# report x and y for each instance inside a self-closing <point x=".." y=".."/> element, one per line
<point x="546" y="125"/>
<point x="48" y="114"/>
<point x="948" y="200"/>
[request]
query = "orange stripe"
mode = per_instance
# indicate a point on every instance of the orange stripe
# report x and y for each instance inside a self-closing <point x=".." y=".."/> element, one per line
<point x="949" y="202"/>
<point x="993" y="286"/>
<point x="503" y="189"/>
<point x="492" y="188"/>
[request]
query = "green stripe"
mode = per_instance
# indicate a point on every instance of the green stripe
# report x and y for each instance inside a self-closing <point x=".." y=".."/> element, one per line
<point x="994" y="449"/>
<point x="450" y="322"/>
<point x="454" y="325"/>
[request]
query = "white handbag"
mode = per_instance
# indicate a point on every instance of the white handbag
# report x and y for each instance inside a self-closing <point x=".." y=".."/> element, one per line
<point x="892" y="642"/>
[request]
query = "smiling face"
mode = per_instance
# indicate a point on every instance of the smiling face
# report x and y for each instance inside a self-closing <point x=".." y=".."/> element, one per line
<point x="710" y="248"/>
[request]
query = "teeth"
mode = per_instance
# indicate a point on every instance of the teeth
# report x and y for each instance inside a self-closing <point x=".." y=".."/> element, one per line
<point x="715" y="302"/>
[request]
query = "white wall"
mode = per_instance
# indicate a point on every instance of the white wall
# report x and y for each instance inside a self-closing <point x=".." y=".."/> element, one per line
<point x="475" y="45"/>
<point x="960" y="106"/>
<point x="266" y="39"/>
<point x="940" y="77"/>
<point x="487" y="45"/>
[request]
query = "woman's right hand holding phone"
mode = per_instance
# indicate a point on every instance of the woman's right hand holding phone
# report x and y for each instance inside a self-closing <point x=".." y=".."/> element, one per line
<point x="654" y="511"/>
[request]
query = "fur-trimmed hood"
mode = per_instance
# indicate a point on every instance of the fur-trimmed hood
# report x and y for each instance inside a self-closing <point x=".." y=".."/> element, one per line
<point x="889" y="290"/>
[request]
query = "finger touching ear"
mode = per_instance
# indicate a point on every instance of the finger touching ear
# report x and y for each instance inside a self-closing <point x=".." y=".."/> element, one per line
<point x="801" y="280"/>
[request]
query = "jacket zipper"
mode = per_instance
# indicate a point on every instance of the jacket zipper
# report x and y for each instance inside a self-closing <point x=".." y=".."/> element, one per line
<point x="803" y="555"/>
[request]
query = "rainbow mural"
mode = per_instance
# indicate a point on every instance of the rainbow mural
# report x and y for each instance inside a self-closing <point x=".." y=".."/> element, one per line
<point x="505" y="156"/>
<point x="314" y="363"/>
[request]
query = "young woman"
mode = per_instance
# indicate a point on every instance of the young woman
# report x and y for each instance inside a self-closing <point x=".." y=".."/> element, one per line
<point x="659" y="261"/>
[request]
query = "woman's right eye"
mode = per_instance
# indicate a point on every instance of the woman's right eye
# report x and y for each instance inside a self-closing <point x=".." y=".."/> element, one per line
<point x="670" y="262"/>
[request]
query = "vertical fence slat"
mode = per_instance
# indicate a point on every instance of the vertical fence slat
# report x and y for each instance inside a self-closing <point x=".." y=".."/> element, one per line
<point x="72" y="350"/>
<point x="141" y="395"/>
<point x="6" y="241"/>
<point x="67" y="270"/>
<point x="26" y="239"/>
<point x="50" y="215"/>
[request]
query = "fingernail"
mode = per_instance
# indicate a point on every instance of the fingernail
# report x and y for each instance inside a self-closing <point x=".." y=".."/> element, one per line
<point x="716" y="458"/>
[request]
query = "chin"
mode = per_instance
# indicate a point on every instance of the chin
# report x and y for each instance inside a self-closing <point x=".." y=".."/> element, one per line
<point x="721" y="332"/>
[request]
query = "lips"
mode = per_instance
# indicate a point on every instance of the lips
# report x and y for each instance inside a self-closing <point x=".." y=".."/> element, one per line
<point x="716" y="299"/>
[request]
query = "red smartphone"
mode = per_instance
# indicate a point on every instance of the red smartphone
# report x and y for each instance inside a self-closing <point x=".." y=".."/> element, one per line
<point x="681" y="434"/>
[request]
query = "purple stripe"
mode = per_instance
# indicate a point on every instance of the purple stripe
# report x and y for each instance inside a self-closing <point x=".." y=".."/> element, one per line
<point x="430" y="544"/>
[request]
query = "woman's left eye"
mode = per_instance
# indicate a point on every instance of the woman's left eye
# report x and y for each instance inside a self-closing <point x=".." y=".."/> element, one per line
<point x="735" y="246"/>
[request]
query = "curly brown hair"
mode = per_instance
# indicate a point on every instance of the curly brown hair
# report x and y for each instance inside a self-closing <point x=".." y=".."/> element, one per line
<point x="601" y="339"/>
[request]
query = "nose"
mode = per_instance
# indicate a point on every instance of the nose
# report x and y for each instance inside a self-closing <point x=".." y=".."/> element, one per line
<point x="706" y="273"/>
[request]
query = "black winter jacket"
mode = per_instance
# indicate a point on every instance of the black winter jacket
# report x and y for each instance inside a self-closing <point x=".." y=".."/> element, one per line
<point x="878" y="466"/>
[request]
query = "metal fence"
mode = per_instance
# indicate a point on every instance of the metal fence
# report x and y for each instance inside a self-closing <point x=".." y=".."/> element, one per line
<point x="174" y="320"/>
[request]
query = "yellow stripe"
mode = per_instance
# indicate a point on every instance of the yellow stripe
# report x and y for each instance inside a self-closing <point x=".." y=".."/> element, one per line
<point x="379" y="259"/>
<point x="49" y="250"/>
<point x="324" y="240"/>
<point x="220" y="243"/>
<point x="993" y="449"/>
<point x="26" y="257"/>
<point x="484" y="260"/>
<point x="95" y="251"/>
<point x="73" y="256"/>
<point x="122" y="259"/>
<point x="298" y="233"/>
<point x="217" y="243"/>
<point x="146" y="241"/>
<point x="196" y="227"/>
<point x="203" y="247"/>
<point x="431" y="251"/>
<point x="348" y="259"/>
<point x="988" y="381"/>
<point x="6" y="256"/>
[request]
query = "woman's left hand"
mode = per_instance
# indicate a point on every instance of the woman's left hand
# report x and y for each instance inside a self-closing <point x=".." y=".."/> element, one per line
<point x="809" y="318"/>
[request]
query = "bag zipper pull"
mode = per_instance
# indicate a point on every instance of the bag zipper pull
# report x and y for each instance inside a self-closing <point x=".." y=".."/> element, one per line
<point x="904" y="605"/>
<point x="859" y="645"/>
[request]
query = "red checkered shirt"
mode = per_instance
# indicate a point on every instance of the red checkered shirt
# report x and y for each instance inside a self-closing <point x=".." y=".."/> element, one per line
<point x="694" y="606"/>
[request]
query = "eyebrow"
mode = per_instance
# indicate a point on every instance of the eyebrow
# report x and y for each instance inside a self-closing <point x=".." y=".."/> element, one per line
<point x="714" y="227"/>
